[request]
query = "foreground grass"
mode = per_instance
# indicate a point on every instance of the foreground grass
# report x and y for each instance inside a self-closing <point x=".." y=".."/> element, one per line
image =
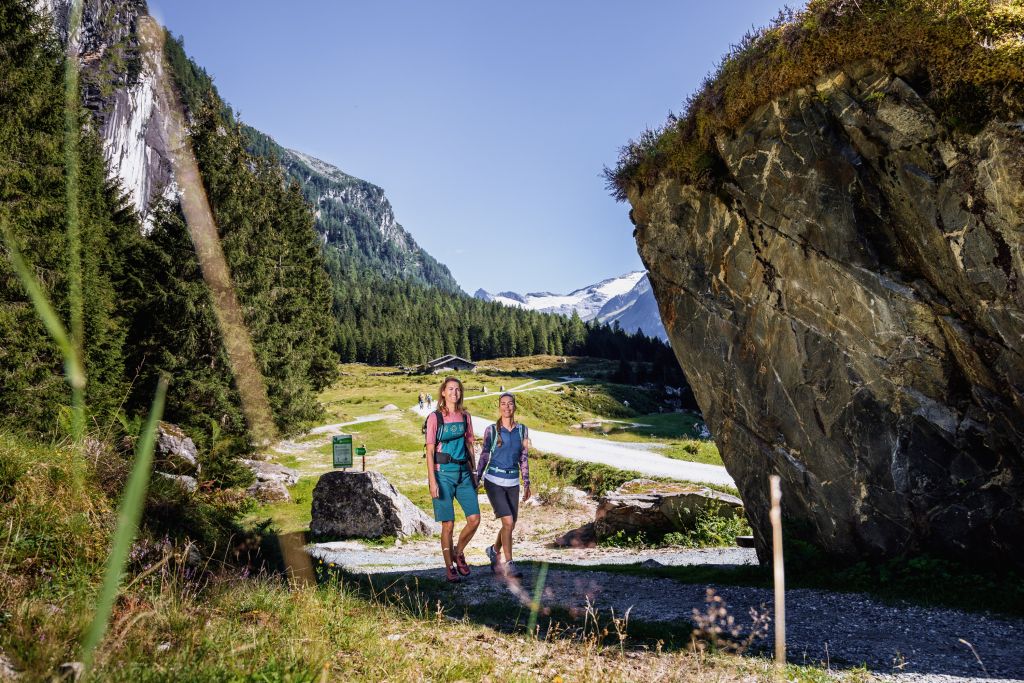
<point x="208" y="620"/>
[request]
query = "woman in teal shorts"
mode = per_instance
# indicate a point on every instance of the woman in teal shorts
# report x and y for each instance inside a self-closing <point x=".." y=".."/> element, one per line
<point x="451" y="475"/>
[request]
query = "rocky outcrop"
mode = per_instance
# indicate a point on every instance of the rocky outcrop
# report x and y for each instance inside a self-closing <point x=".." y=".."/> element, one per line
<point x="364" y="505"/>
<point x="119" y="85"/>
<point x="848" y="308"/>
<point x="658" y="510"/>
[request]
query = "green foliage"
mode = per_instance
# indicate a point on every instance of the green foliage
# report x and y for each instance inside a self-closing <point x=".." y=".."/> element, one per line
<point x="970" y="51"/>
<point x="593" y="478"/>
<point x="710" y="530"/>
<point x="34" y="212"/>
<point x="128" y="516"/>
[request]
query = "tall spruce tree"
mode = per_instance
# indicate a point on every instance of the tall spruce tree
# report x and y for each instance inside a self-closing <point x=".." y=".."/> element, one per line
<point x="33" y="211"/>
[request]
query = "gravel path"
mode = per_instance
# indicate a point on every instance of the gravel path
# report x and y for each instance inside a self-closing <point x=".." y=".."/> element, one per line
<point x="840" y="630"/>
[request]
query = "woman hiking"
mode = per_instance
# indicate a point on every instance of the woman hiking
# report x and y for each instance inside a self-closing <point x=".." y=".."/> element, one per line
<point x="505" y="458"/>
<point x="451" y="475"/>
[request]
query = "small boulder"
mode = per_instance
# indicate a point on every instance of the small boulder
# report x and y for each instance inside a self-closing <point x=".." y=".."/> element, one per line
<point x="188" y="484"/>
<point x="8" y="672"/>
<point x="639" y="506"/>
<point x="364" y="505"/>
<point x="389" y="408"/>
<point x="269" y="471"/>
<point x="269" y="491"/>
<point x="175" y="452"/>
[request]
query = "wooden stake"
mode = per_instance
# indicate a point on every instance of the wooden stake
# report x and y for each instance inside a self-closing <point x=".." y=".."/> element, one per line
<point x="778" y="571"/>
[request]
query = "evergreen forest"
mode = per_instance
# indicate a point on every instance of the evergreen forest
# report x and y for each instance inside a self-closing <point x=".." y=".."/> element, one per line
<point x="146" y="311"/>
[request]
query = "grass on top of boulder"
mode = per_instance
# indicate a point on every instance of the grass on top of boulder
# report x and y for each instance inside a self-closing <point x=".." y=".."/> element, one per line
<point x="970" y="54"/>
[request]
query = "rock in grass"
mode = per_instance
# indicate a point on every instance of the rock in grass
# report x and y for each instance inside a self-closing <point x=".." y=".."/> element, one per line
<point x="364" y="505"/>
<point x="269" y="492"/>
<point x="269" y="471"/>
<point x="188" y="484"/>
<point x="175" y="451"/>
<point x="8" y="672"/>
<point x="639" y="506"/>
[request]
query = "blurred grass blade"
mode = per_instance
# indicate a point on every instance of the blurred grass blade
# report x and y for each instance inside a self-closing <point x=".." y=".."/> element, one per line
<point x="72" y="131"/>
<point x="128" y="517"/>
<point x="538" y="591"/>
<point x="72" y="363"/>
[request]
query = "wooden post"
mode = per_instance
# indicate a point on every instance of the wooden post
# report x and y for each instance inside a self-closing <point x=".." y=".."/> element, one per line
<point x="778" y="571"/>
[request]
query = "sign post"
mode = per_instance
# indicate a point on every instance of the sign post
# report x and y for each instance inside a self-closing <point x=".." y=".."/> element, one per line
<point x="341" y="450"/>
<point x="361" y="451"/>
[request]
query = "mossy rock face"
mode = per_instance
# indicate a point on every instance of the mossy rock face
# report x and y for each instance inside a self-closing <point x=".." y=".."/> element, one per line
<point x="848" y="308"/>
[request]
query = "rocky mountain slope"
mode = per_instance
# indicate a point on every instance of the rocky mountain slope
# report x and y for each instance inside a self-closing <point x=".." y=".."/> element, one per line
<point x="635" y="310"/>
<point x="627" y="299"/>
<point x="847" y="305"/>
<point x="353" y="216"/>
<point x="119" y="88"/>
<point x="586" y="301"/>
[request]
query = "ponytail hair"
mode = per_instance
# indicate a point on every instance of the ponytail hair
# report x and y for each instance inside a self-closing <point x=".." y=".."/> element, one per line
<point x="497" y="425"/>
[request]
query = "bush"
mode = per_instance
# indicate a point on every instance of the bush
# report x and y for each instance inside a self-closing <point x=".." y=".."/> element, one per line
<point x="710" y="531"/>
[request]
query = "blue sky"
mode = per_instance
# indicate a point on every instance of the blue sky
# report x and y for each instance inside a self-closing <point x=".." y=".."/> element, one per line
<point x="486" y="123"/>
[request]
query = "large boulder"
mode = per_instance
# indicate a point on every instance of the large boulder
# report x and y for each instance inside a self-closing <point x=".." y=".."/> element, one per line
<point x="658" y="509"/>
<point x="175" y="452"/>
<point x="848" y="306"/>
<point x="364" y="505"/>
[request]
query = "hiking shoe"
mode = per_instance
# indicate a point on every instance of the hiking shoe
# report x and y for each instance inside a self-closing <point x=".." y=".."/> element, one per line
<point x="492" y="555"/>
<point x="460" y="564"/>
<point x="512" y="570"/>
<point x="451" y="575"/>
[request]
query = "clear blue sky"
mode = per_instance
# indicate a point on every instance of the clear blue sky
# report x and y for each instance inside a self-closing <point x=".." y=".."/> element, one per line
<point x="486" y="123"/>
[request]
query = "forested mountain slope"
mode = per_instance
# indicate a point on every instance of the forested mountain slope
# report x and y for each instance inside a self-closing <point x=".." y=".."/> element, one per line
<point x="147" y="310"/>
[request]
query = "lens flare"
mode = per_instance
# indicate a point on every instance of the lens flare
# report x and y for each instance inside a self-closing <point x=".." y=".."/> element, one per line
<point x="203" y="229"/>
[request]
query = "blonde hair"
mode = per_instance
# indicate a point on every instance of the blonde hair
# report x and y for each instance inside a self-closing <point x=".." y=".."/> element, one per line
<point x="442" y="402"/>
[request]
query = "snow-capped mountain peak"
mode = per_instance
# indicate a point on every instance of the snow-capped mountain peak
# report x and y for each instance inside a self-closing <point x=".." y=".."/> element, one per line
<point x="589" y="302"/>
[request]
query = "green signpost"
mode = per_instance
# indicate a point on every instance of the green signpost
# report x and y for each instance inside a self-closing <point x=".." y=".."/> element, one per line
<point x="341" y="448"/>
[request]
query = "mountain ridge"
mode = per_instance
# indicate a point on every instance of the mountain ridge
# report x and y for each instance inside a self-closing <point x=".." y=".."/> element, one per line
<point x="119" y="84"/>
<point x="626" y="299"/>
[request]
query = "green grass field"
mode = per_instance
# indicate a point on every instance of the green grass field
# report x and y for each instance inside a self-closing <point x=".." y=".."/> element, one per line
<point x="364" y="390"/>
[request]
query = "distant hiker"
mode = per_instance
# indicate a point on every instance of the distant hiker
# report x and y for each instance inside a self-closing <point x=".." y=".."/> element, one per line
<point x="451" y="474"/>
<point x="421" y="400"/>
<point x="504" y="459"/>
<point x="430" y="400"/>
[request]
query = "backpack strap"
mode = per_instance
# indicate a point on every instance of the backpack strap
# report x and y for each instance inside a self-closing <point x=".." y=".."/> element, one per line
<point x="440" y="457"/>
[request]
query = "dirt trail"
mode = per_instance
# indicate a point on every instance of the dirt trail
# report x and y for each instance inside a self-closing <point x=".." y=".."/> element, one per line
<point x="840" y="630"/>
<point x="902" y="642"/>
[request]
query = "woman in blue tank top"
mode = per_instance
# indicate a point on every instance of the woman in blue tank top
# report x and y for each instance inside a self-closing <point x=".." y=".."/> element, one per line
<point x="505" y="458"/>
<point x="451" y="475"/>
